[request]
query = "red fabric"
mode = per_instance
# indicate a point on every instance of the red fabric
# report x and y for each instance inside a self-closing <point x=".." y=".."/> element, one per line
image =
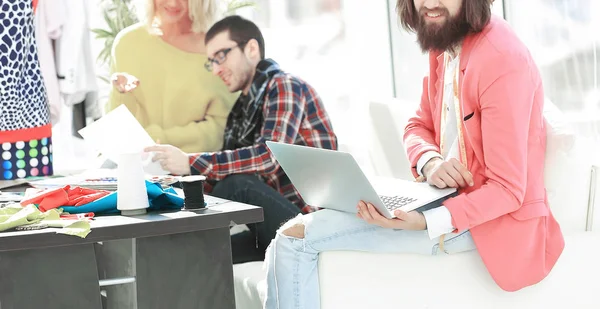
<point x="65" y="196"/>
<point x="28" y="134"/>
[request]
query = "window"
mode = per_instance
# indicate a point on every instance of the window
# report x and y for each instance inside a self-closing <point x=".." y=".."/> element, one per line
<point x="308" y="39"/>
<point x="341" y="48"/>
<point x="563" y="39"/>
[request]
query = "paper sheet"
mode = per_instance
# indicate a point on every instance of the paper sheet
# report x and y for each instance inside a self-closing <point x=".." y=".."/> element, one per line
<point x="119" y="132"/>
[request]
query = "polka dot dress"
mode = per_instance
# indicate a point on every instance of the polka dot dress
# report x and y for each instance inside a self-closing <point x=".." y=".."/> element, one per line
<point x="25" y="135"/>
<point x="26" y="159"/>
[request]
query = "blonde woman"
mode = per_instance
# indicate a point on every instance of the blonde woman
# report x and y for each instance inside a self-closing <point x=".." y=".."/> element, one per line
<point x="158" y="73"/>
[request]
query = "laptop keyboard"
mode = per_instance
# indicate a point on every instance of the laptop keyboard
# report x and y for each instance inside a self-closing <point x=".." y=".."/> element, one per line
<point x="394" y="202"/>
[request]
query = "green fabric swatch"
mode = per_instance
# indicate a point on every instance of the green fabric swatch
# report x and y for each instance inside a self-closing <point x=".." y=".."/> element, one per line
<point x="14" y="215"/>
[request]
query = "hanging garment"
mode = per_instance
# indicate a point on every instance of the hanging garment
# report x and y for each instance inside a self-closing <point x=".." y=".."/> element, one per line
<point x="74" y="58"/>
<point x="49" y="21"/>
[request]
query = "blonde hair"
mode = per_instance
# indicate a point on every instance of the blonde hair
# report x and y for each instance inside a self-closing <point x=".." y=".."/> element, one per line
<point x="202" y="13"/>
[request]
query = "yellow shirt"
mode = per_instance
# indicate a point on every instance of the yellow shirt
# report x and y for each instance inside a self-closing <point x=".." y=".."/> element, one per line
<point x="177" y="101"/>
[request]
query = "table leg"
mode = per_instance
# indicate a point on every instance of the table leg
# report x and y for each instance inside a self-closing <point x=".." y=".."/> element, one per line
<point x="116" y="259"/>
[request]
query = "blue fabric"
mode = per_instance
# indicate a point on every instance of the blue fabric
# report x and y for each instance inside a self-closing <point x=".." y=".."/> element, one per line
<point x="158" y="198"/>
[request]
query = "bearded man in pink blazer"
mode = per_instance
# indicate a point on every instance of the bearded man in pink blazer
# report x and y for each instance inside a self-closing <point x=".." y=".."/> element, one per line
<point x="479" y="128"/>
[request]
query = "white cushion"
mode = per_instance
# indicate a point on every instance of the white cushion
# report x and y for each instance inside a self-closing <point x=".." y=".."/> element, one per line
<point x="365" y="280"/>
<point x="567" y="172"/>
<point x="352" y="280"/>
<point x="250" y="286"/>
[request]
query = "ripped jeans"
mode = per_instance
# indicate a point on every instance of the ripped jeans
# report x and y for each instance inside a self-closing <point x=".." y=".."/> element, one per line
<point x="291" y="263"/>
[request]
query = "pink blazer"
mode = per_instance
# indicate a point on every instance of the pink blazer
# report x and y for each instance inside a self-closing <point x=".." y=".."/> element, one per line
<point x="502" y="99"/>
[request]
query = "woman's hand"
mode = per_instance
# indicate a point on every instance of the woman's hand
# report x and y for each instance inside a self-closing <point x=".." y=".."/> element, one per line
<point x="124" y="82"/>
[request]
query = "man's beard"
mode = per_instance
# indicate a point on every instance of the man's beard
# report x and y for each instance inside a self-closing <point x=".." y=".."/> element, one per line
<point x="444" y="36"/>
<point x="247" y="77"/>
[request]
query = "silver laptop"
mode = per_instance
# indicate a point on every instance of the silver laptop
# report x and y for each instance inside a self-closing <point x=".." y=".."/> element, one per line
<point x="332" y="179"/>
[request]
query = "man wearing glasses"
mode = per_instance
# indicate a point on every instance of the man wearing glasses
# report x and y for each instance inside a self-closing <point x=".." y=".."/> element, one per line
<point x="273" y="106"/>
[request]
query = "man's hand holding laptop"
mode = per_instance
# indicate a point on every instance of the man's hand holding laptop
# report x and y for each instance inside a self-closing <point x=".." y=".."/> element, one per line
<point x="412" y="220"/>
<point x="439" y="173"/>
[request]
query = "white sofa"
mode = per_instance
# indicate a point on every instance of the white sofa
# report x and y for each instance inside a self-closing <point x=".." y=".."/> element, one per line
<point x="364" y="280"/>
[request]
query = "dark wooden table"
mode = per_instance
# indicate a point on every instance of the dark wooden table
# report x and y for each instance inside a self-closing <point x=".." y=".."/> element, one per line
<point x="179" y="259"/>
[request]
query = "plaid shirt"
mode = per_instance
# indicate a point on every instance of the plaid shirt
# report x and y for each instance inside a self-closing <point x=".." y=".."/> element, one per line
<point x="279" y="107"/>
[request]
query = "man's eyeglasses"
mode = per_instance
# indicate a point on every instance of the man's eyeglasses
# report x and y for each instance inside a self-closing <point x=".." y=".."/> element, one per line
<point x="221" y="56"/>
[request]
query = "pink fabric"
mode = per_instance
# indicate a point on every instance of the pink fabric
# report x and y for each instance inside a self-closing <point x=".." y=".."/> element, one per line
<point x="507" y="210"/>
